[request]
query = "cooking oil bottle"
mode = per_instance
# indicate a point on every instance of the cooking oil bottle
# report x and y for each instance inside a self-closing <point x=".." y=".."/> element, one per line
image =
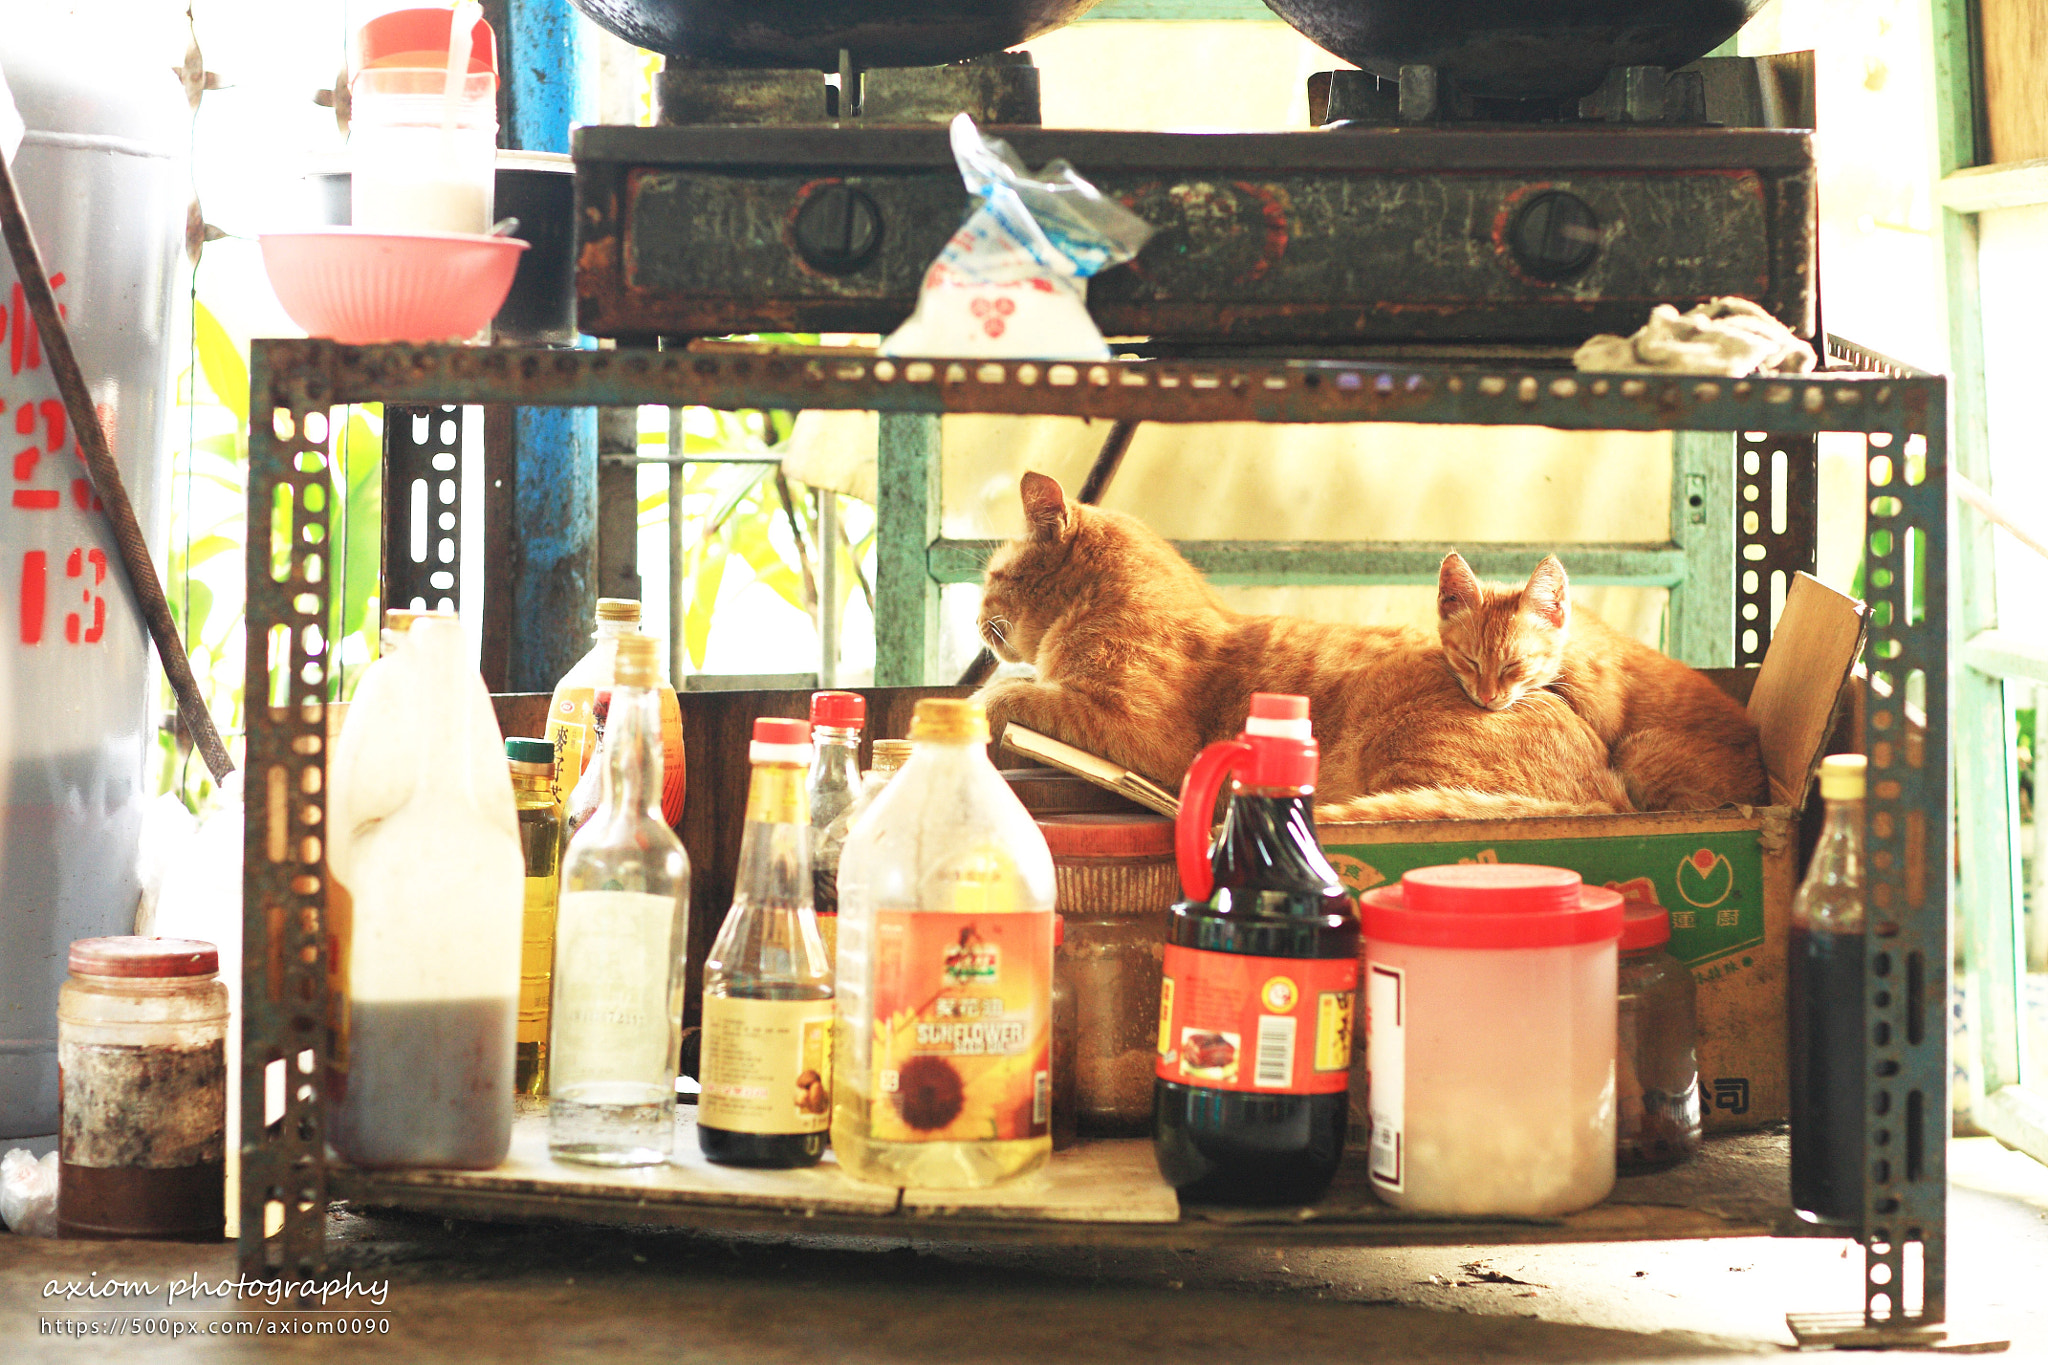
<point x="540" y="838"/>
<point x="942" y="1070"/>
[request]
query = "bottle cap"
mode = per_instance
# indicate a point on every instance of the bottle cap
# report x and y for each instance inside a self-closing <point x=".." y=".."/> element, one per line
<point x="1644" y="925"/>
<point x="1283" y="748"/>
<point x="1841" y="777"/>
<point x="1278" y="715"/>
<point x="132" y="955"/>
<point x="618" y="609"/>
<point x="637" y="662"/>
<point x="1491" y="905"/>
<point x="535" y="755"/>
<point x="778" y="739"/>
<point x="891" y="754"/>
<point x="841" y="710"/>
<point x="954" y="720"/>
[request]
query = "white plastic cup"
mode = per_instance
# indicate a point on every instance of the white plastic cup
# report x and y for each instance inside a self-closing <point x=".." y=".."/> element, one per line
<point x="411" y="168"/>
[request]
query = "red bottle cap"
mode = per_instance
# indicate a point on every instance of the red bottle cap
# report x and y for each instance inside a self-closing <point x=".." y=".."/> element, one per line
<point x="1644" y="925"/>
<point x="841" y="710"/>
<point x="130" y="955"/>
<point x="419" y="38"/>
<point x="1491" y="905"/>
<point x="781" y="730"/>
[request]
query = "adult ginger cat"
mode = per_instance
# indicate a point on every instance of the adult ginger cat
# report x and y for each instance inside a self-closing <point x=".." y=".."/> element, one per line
<point x="1679" y="742"/>
<point x="1139" y="660"/>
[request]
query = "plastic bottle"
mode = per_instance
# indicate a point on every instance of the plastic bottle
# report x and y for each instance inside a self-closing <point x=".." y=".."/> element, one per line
<point x="836" y="719"/>
<point x="1826" y="989"/>
<point x="429" y="890"/>
<point x="942" y="1063"/>
<point x="1251" y="1088"/>
<point x="767" y="1065"/>
<point x="621" y="938"/>
<point x="532" y="762"/>
<point x="576" y="712"/>
<point x="830" y="843"/>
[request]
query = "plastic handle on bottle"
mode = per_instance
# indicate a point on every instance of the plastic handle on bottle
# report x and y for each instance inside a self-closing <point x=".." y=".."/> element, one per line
<point x="1198" y="791"/>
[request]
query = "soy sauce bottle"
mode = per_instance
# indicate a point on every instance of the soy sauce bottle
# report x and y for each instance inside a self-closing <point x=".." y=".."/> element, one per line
<point x="1825" y="997"/>
<point x="1252" y="1081"/>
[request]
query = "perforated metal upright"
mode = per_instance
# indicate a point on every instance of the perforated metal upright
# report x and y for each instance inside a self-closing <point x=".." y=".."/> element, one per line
<point x="1902" y="414"/>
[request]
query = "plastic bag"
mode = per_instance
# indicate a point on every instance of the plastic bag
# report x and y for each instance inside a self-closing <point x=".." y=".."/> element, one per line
<point x="28" y="1193"/>
<point x="1012" y="283"/>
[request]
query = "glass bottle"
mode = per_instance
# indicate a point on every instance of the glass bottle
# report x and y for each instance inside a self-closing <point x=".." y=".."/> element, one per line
<point x="836" y="719"/>
<point x="426" y="873"/>
<point x="1826" y="953"/>
<point x="766" y="1071"/>
<point x="540" y="839"/>
<point x="622" y="934"/>
<point x="575" y="731"/>
<point x="830" y="843"/>
<point x="942" y="1063"/>
<point x="1251" y="1089"/>
<point x="1656" y="1059"/>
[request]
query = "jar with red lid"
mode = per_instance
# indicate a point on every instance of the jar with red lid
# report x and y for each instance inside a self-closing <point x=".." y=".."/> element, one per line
<point x="1490" y="1036"/>
<point x="142" y="1107"/>
<point x="1657" y="1072"/>
<point x="1113" y="879"/>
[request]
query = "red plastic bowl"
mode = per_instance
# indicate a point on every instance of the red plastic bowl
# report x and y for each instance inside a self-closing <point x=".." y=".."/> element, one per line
<point x="362" y="287"/>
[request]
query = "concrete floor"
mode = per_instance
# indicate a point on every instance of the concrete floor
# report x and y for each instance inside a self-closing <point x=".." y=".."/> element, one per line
<point x="475" y="1292"/>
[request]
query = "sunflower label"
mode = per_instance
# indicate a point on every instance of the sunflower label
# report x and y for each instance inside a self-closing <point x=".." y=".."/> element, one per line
<point x="962" y="1027"/>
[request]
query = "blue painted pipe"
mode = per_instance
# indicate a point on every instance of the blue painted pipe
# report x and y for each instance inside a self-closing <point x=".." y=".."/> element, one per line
<point x="554" y="450"/>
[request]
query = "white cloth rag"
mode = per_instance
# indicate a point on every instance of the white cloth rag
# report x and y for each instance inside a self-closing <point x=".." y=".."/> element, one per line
<point x="1729" y="336"/>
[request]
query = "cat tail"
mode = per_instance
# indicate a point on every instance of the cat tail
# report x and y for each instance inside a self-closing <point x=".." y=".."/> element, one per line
<point x="1459" y="803"/>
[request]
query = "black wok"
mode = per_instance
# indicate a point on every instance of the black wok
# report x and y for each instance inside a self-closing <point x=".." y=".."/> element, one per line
<point x="810" y="33"/>
<point x="1517" y="49"/>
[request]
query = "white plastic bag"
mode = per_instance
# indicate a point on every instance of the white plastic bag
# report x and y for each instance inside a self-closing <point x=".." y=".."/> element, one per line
<point x="28" y="1193"/>
<point x="1012" y="283"/>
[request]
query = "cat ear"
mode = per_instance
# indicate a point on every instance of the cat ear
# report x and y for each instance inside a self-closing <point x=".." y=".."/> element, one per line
<point x="1045" y="505"/>
<point x="1548" y="596"/>
<point x="1457" y="588"/>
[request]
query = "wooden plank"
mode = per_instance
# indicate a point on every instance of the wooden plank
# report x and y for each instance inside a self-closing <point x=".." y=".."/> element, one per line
<point x="907" y="514"/>
<point x="2014" y="52"/>
<point x="1093" y="1182"/>
<point x="1339" y="562"/>
<point x="1700" y="621"/>
<point x="2007" y="654"/>
<point x="1980" y="189"/>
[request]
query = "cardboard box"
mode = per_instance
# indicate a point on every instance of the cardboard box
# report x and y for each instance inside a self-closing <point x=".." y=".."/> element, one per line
<point x="1726" y="876"/>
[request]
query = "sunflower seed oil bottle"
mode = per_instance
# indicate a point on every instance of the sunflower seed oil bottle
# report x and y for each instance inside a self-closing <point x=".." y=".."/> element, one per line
<point x="942" y="1070"/>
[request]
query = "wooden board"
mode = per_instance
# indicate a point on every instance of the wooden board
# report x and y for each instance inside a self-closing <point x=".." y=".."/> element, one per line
<point x="1098" y="1182"/>
<point x="1737" y="1187"/>
<point x="2015" y="48"/>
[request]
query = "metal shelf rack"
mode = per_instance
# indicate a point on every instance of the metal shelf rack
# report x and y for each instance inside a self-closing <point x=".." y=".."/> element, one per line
<point x="1902" y="413"/>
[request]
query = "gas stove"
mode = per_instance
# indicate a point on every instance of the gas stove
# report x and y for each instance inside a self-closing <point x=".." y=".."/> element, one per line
<point x="1394" y="223"/>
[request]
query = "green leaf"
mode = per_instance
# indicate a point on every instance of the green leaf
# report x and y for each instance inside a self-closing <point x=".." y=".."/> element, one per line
<point x="220" y="359"/>
<point x="206" y="547"/>
<point x="708" y="573"/>
<point x="362" y="465"/>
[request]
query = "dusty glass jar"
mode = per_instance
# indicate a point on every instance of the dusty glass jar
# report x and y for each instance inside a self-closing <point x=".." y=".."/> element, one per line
<point x="1657" y="1074"/>
<point x="142" y="1047"/>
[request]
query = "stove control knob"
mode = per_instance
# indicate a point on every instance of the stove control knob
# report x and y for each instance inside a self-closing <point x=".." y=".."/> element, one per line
<point x="1555" y="236"/>
<point x="837" y="228"/>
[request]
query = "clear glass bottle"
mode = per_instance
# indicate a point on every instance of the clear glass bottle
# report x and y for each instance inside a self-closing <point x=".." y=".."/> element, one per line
<point x="1825" y="955"/>
<point x="830" y="843"/>
<point x="540" y="839"/>
<point x="1656" y="1058"/>
<point x="576" y="713"/>
<point x="942" y="1068"/>
<point x="766" y="1068"/>
<point x="622" y="935"/>
<point x="836" y="719"/>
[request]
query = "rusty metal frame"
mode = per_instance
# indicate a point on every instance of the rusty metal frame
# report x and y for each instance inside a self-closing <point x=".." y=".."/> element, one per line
<point x="1907" y="725"/>
<point x="1777" y="518"/>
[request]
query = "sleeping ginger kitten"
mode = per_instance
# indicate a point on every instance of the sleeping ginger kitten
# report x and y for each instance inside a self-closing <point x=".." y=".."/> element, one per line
<point x="1678" y="741"/>
<point x="1139" y="661"/>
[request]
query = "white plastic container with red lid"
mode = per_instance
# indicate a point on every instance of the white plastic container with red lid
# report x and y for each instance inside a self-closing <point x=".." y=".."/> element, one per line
<point x="1489" y="994"/>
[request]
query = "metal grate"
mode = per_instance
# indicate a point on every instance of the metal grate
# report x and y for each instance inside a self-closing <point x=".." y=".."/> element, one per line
<point x="422" y="508"/>
<point x="1777" y="517"/>
<point x="283" y="1196"/>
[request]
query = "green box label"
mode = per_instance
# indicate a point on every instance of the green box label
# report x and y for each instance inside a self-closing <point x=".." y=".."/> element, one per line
<point x="1712" y="883"/>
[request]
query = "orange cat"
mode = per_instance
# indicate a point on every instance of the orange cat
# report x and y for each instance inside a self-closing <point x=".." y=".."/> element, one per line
<point x="1678" y="741"/>
<point x="1139" y="661"/>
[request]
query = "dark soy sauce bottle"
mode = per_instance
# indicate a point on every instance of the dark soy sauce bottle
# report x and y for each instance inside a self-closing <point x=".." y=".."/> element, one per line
<point x="1250" y="1095"/>
<point x="1825" y="953"/>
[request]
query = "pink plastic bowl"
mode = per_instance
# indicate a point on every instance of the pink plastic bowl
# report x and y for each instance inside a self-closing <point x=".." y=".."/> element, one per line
<point x="360" y="287"/>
